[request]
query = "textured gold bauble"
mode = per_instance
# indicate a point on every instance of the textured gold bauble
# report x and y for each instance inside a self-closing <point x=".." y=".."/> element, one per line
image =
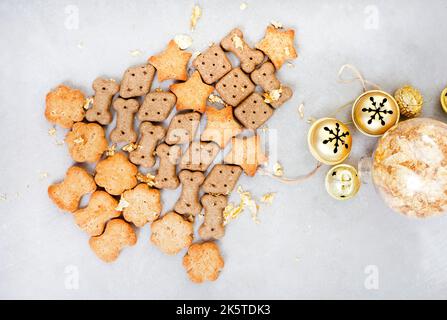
<point x="342" y="182"/>
<point x="374" y="112"/>
<point x="444" y="99"/>
<point x="410" y="101"/>
<point x="329" y="141"/>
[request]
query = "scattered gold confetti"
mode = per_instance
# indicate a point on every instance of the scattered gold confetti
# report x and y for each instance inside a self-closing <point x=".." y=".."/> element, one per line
<point x="60" y="142"/>
<point x="215" y="99"/>
<point x="52" y="131"/>
<point x="231" y="212"/>
<point x="111" y="150"/>
<point x="122" y="204"/>
<point x="278" y="169"/>
<point x="130" y="147"/>
<point x="268" y="197"/>
<point x="158" y="89"/>
<point x="79" y="140"/>
<point x="301" y="110"/>
<point x="195" y="16"/>
<point x="237" y="41"/>
<point x="243" y="6"/>
<point x="183" y="41"/>
<point x="276" y="24"/>
<point x="135" y="53"/>
<point x="3" y="197"/>
<point x="88" y="103"/>
<point x="273" y="95"/>
<point x="290" y="64"/>
<point x="146" y="178"/>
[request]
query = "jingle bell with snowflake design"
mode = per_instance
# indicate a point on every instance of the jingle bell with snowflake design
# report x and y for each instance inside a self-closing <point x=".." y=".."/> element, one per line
<point x="444" y="99"/>
<point x="342" y="182"/>
<point x="374" y="112"/>
<point x="329" y="141"/>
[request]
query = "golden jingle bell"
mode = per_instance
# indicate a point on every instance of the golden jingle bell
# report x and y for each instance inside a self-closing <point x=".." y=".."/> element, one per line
<point x="444" y="99"/>
<point x="374" y="112"/>
<point x="342" y="182"/>
<point x="329" y="141"/>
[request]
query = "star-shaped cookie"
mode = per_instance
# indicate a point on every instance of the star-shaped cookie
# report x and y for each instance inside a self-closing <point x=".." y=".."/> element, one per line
<point x="192" y="94"/>
<point x="220" y="126"/>
<point x="247" y="153"/>
<point x="171" y="63"/>
<point x="278" y="45"/>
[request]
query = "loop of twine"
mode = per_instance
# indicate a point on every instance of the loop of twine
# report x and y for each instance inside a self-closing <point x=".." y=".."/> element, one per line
<point x="291" y="181"/>
<point x="357" y="77"/>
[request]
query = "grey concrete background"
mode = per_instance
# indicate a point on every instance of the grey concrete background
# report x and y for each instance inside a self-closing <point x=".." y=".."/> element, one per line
<point x="307" y="244"/>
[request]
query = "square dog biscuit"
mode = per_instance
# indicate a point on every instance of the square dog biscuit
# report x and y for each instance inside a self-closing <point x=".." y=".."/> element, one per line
<point x="182" y="128"/>
<point x="222" y="179"/>
<point x="156" y="106"/>
<point x="253" y="112"/>
<point x="137" y="81"/>
<point x="234" y="87"/>
<point x="199" y="156"/>
<point x="212" y="64"/>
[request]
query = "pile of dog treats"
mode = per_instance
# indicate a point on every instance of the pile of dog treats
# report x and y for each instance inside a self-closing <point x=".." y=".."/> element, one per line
<point x="121" y="196"/>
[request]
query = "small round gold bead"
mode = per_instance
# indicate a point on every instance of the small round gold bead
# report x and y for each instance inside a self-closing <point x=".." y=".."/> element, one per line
<point x="342" y="182"/>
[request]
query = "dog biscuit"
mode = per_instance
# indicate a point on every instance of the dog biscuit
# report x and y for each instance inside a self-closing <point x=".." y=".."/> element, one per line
<point x="203" y="262"/>
<point x="124" y="130"/>
<point x="86" y="142"/>
<point x="253" y="112"/>
<point x="143" y="205"/>
<point x="166" y="177"/>
<point x="172" y="233"/>
<point x="117" y="235"/>
<point x="199" y="156"/>
<point x="249" y="58"/>
<point x="156" y="106"/>
<point x="104" y="89"/>
<point x="222" y="179"/>
<point x="137" y="81"/>
<point x="212" y="227"/>
<point x="212" y="64"/>
<point x="188" y="204"/>
<point x="116" y="174"/>
<point x="171" y="63"/>
<point x="150" y="136"/>
<point x="65" y="106"/>
<point x="100" y="209"/>
<point x="234" y="87"/>
<point x="67" y="194"/>
<point x="182" y="128"/>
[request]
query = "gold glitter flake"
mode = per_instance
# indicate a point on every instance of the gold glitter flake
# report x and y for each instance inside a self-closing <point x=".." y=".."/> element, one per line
<point x="195" y="16"/>
<point x="278" y="169"/>
<point x="135" y="53"/>
<point x="111" y="150"/>
<point x="268" y="197"/>
<point x="79" y="140"/>
<point x="237" y="41"/>
<point x="272" y="96"/>
<point x="88" y="103"/>
<point x="122" y="204"/>
<point x="147" y="178"/>
<point x="301" y="110"/>
<point x="130" y="147"/>
<point x="52" y="131"/>
<point x="215" y="99"/>
<point x="183" y="41"/>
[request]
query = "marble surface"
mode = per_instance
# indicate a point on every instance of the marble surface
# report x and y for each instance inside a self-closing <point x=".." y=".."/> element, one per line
<point x="307" y="245"/>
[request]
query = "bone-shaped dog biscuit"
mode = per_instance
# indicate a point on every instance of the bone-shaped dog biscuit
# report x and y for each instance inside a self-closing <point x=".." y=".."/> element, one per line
<point x="67" y="194"/>
<point x="212" y="227"/>
<point x="166" y="177"/>
<point x="249" y="58"/>
<point x="104" y="89"/>
<point x="188" y="203"/>
<point x="118" y="234"/>
<point x="124" y="130"/>
<point x="265" y="78"/>
<point x="100" y="209"/>
<point x="150" y="135"/>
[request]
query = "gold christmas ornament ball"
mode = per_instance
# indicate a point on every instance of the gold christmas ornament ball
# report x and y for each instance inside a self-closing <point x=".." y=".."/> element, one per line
<point x="409" y="167"/>
<point x="444" y="99"/>
<point x="342" y="182"/>
<point x="329" y="141"/>
<point x="374" y="112"/>
<point x="410" y="101"/>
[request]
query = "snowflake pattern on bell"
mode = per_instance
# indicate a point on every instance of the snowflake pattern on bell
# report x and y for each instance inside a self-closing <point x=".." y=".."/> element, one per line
<point x="338" y="136"/>
<point x="378" y="111"/>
